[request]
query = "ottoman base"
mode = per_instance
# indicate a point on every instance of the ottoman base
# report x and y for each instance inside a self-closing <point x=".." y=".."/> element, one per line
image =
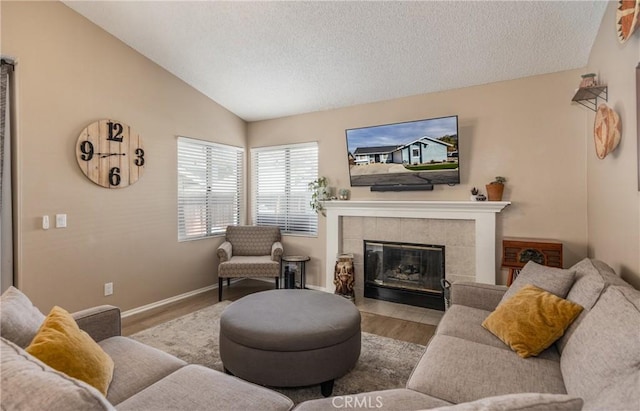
<point x="290" y="338"/>
<point x="291" y="368"/>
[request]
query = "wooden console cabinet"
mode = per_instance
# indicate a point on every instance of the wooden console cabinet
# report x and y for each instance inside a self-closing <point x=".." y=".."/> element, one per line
<point x="516" y="252"/>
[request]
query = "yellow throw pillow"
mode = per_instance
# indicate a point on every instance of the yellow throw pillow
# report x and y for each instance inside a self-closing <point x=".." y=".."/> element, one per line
<point x="531" y="320"/>
<point x="62" y="345"/>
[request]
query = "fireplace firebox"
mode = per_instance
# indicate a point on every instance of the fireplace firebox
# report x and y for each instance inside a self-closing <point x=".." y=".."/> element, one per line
<point x="404" y="273"/>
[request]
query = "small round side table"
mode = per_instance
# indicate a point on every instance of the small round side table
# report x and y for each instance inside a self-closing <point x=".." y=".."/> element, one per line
<point x="289" y="277"/>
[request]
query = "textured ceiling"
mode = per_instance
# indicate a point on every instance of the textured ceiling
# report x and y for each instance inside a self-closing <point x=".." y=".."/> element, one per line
<point x="265" y="60"/>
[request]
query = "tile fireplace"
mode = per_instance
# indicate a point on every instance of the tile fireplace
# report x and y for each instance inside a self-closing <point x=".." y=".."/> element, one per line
<point x="467" y="229"/>
<point x="404" y="273"/>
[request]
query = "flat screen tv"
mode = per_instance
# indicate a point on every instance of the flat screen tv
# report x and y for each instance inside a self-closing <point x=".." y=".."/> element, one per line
<point x="413" y="155"/>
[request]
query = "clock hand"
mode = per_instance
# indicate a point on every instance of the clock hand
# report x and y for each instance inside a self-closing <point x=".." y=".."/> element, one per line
<point x="104" y="155"/>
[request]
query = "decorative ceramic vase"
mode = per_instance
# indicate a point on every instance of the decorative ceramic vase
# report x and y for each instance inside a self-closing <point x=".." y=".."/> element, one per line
<point x="344" y="276"/>
<point x="494" y="191"/>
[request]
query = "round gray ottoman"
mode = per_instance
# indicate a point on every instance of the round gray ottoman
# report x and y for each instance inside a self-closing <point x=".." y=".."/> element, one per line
<point x="290" y="338"/>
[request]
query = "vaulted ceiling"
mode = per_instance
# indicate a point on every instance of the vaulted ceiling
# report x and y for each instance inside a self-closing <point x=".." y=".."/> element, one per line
<point x="267" y="59"/>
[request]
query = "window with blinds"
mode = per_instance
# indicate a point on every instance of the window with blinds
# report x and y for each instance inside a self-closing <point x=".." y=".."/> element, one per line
<point x="280" y="187"/>
<point x="210" y="187"/>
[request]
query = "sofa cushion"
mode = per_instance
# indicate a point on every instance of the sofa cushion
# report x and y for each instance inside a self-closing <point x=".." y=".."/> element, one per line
<point x="195" y="387"/>
<point x="457" y="370"/>
<point x="137" y="366"/>
<point x="554" y="280"/>
<point x="592" y="277"/>
<point x="396" y="399"/>
<point x="601" y="361"/>
<point x="466" y="323"/>
<point x="519" y="402"/>
<point x="19" y="318"/>
<point x="531" y="320"/>
<point x="477" y="295"/>
<point x="28" y="384"/>
<point x="62" y="345"/>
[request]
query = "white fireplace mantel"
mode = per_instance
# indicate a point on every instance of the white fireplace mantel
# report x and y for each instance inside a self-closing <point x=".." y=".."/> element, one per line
<point x="482" y="212"/>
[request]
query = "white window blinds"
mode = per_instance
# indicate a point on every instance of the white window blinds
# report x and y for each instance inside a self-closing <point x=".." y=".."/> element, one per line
<point x="280" y="187"/>
<point x="210" y="187"/>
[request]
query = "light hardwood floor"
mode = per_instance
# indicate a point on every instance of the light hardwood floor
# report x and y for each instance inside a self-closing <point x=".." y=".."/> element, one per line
<point x="398" y="329"/>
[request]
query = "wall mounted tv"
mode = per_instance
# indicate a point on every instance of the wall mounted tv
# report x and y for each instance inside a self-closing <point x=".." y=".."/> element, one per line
<point x="413" y="155"/>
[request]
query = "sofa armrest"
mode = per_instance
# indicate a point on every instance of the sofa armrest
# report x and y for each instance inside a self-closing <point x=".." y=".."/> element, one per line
<point x="477" y="295"/>
<point x="276" y="251"/>
<point x="100" y="322"/>
<point x="225" y="251"/>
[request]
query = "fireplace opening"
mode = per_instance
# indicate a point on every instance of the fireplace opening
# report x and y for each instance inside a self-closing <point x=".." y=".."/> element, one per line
<point x="404" y="273"/>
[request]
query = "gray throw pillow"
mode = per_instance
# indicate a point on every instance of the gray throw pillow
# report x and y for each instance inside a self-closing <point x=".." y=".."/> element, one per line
<point x="26" y="383"/>
<point x="19" y="318"/>
<point x="554" y="280"/>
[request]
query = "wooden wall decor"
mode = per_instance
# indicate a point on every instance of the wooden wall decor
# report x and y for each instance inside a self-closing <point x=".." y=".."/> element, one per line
<point x="110" y="154"/>
<point x="627" y="16"/>
<point x="607" y="130"/>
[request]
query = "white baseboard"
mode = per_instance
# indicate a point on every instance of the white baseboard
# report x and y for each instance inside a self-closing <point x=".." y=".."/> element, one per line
<point x="318" y="288"/>
<point x="171" y="300"/>
<point x="311" y="287"/>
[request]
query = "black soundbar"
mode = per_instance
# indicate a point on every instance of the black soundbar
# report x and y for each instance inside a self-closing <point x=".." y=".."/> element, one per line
<point x="402" y="187"/>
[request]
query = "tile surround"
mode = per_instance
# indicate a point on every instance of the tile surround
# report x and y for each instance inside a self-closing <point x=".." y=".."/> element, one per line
<point x="428" y="221"/>
<point x="458" y="237"/>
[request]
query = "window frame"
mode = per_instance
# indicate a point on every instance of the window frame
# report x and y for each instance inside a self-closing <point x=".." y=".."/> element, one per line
<point x="209" y="202"/>
<point x="309" y="212"/>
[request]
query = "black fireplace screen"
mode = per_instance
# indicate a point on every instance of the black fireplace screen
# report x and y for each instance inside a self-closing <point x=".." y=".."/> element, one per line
<point x="414" y="267"/>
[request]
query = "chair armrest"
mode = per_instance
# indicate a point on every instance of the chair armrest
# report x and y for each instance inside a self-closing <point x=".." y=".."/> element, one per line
<point x="477" y="295"/>
<point x="100" y="322"/>
<point x="276" y="251"/>
<point x="225" y="251"/>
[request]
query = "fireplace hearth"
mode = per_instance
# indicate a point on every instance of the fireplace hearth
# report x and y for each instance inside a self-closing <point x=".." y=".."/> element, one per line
<point x="404" y="273"/>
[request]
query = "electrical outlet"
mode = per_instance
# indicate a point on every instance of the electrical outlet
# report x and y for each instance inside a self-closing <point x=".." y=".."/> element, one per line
<point x="108" y="289"/>
<point x="45" y="222"/>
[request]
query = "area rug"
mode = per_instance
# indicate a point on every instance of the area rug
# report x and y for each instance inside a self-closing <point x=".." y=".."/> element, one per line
<point x="384" y="362"/>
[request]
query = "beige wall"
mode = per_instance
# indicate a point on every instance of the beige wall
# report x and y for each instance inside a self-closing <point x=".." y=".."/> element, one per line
<point x="526" y="130"/>
<point x="613" y="197"/>
<point x="69" y="74"/>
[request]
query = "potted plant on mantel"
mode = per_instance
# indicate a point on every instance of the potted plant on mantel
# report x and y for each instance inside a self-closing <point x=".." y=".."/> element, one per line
<point x="495" y="189"/>
<point x="319" y="193"/>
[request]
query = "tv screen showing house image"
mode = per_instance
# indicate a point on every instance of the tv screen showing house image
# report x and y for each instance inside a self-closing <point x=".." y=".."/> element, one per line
<point x="411" y="153"/>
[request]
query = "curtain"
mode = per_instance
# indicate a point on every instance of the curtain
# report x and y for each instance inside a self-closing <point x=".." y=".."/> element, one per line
<point x="6" y="212"/>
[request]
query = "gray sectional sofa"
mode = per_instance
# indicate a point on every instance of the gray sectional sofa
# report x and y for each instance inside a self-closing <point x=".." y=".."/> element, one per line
<point x="595" y="365"/>
<point x="144" y="378"/>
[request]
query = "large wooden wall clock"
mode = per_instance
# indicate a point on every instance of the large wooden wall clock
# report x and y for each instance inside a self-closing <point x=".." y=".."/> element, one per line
<point x="110" y="154"/>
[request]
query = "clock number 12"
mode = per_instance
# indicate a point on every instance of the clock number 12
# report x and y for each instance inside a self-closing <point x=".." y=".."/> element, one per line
<point x="115" y="132"/>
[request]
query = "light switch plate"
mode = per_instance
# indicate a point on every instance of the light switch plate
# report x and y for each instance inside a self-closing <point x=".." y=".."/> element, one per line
<point x="61" y="220"/>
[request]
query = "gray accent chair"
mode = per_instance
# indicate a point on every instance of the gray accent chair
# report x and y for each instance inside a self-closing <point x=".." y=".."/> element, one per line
<point x="249" y="251"/>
